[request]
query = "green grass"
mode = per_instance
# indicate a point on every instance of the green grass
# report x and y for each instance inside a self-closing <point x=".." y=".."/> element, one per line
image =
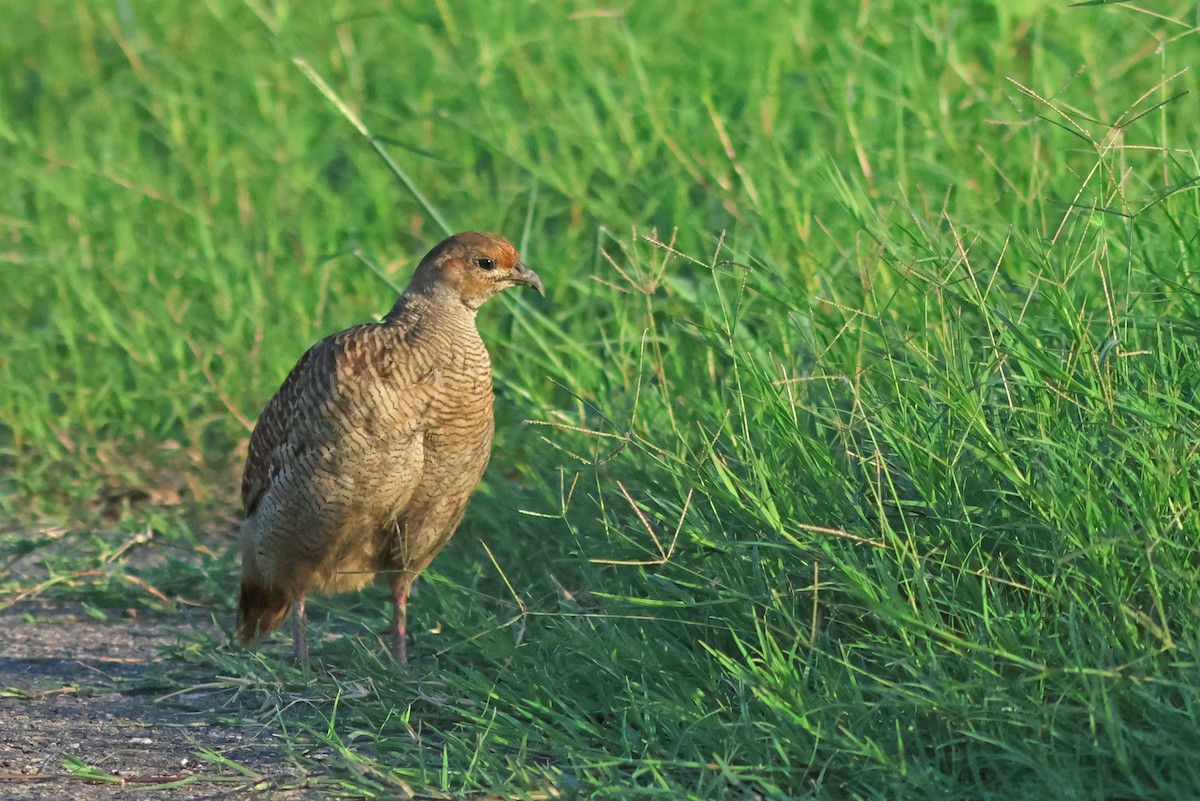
<point x="852" y="455"/>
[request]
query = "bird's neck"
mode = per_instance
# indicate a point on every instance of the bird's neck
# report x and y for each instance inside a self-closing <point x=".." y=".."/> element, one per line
<point x="435" y="302"/>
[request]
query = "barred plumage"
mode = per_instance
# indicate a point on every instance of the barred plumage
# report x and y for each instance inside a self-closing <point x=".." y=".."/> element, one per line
<point x="365" y="458"/>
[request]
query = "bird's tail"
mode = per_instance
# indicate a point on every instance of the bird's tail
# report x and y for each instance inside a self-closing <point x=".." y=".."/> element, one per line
<point x="261" y="607"/>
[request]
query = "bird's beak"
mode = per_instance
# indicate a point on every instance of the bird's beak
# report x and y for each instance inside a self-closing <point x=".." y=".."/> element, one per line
<point x="528" y="277"/>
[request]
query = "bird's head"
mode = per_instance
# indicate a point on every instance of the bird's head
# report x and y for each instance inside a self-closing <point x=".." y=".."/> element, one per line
<point x="475" y="266"/>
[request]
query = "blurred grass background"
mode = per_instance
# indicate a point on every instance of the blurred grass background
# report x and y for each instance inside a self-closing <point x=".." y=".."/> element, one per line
<point x="853" y="454"/>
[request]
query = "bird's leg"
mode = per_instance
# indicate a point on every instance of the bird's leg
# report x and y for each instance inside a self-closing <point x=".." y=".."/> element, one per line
<point x="399" y="624"/>
<point x="299" y="633"/>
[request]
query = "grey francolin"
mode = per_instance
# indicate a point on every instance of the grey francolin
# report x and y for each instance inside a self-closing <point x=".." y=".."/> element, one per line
<point x="365" y="459"/>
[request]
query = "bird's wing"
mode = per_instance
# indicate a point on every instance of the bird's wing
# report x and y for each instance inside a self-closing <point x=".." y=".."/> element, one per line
<point x="325" y="393"/>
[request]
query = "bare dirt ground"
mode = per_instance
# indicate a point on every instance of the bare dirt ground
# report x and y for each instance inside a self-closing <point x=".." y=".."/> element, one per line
<point x="85" y="713"/>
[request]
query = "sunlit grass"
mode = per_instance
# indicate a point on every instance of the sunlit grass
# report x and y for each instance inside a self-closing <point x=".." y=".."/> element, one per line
<point x="853" y="454"/>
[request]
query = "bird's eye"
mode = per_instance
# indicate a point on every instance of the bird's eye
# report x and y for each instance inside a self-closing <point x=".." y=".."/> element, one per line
<point x="485" y="263"/>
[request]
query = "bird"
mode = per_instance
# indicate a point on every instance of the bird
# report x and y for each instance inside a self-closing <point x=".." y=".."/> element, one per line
<point x="363" y="462"/>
